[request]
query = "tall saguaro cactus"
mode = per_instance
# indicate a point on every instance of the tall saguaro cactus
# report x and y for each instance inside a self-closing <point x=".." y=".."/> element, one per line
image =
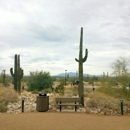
<point x="81" y="60"/>
<point x="18" y="73"/>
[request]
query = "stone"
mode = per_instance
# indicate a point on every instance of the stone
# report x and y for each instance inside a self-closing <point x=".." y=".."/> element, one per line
<point x="83" y="110"/>
<point x="95" y="112"/>
<point x="111" y="108"/>
<point x="102" y="113"/>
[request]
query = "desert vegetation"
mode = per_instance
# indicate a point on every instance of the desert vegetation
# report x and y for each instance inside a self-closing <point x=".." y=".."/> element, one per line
<point x="17" y="74"/>
<point x="39" y="80"/>
<point x="7" y="95"/>
<point x="107" y="87"/>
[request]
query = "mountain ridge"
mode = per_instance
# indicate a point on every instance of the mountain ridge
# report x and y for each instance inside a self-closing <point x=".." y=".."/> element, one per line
<point x="73" y="74"/>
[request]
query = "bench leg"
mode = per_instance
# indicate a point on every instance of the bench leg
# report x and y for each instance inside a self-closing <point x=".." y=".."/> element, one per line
<point x="60" y="107"/>
<point x="75" y="108"/>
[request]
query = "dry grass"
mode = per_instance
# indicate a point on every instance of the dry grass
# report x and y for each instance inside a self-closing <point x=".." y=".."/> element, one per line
<point x="97" y="100"/>
<point x="71" y="91"/>
<point x="6" y="95"/>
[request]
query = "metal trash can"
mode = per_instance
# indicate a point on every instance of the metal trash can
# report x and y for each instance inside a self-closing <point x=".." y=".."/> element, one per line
<point x="42" y="102"/>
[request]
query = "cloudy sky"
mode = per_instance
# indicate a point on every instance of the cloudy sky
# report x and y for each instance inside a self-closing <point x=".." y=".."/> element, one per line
<point x="46" y="34"/>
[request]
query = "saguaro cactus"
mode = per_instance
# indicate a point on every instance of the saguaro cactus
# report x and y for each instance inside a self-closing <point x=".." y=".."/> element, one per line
<point x="81" y="61"/>
<point x="18" y="73"/>
<point x="103" y="74"/>
<point x="3" y="76"/>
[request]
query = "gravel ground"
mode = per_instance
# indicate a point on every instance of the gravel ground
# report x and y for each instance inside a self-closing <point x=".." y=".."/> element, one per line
<point x="63" y="121"/>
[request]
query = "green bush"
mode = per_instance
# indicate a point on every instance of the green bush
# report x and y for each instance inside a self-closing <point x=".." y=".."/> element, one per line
<point x="60" y="89"/>
<point x="6" y="95"/>
<point x="62" y="81"/>
<point x="39" y="81"/>
<point x="109" y="87"/>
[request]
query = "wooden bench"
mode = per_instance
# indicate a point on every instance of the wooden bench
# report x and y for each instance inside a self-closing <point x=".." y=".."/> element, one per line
<point x="68" y="102"/>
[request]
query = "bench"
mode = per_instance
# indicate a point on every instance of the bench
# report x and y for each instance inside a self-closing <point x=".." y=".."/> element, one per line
<point x="68" y="102"/>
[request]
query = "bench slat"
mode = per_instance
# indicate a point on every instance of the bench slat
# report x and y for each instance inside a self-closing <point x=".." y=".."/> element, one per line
<point x="68" y="100"/>
<point x="69" y="105"/>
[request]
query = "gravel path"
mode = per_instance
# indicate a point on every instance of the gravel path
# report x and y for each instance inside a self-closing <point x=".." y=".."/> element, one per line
<point x="63" y="121"/>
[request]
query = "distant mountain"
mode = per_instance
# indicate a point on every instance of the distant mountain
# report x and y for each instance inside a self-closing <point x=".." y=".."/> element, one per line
<point x="73" y="74"/>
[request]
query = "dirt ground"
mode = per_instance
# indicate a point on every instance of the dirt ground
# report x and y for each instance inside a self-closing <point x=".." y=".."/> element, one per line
<point x="63" y="121"/>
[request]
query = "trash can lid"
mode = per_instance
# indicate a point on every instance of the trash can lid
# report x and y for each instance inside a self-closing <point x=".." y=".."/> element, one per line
<point x="42" y="94"/>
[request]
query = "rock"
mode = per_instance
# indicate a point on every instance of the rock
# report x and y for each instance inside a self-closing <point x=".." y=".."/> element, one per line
<point x="53" y="110"/>
<point x="112" y="107"/>
<point x="99" y="110"/>
<point x="102" y="113"/>
<point x="50" y="107"/>
<point x="82" y="110"/>
<point x="108" y="113"/>
<point x="50" y="94"/>
<point x="95" y="112"/>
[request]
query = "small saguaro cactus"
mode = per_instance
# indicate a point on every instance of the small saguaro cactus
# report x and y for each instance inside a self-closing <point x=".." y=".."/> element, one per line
<point x="18" y="73"/>
<point x="103" y="74"/>
<point x="81" y="60"/>
<point x="3" y="76"/>
<point x="107" y="74"/>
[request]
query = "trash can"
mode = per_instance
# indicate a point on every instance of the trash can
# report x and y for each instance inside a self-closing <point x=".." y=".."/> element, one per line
<point x="42" y="102"/>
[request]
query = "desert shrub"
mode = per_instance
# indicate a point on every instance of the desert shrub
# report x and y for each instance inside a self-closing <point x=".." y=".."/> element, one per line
<point x="97" y="83"/>
<point x="39" y="80"/>
<point x="86" y="94"/>
<point x="116" y="92"/>
<point x="35" y="92"/>
<point x="75" y="90"/>
<point x="60" y="89"/>
<point x="61" y="81"/>
<point x="7" y="80"/>
<point x="68" y="92"/>
<point x="47" y="90"/>
<point x="98" y="96"/>
<point x="6" y="95"/>
<point x="108" y="87"/>
<point x="116" y="87"/>
<point x="3" y="106"/>
<point x="97" y="100"/>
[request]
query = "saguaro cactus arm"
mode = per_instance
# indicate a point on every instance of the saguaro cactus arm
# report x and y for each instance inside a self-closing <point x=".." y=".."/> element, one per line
<point x="11" y="71"/>
<point x="21" y="73"/>
<point x="76" y="59"/>
<point x="86" y="55"/>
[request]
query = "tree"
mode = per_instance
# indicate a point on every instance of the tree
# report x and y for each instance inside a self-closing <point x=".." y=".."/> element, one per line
<point x="39" y="80"/>
<point x="121" y="71"/>
<point x="120" y="66"/>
